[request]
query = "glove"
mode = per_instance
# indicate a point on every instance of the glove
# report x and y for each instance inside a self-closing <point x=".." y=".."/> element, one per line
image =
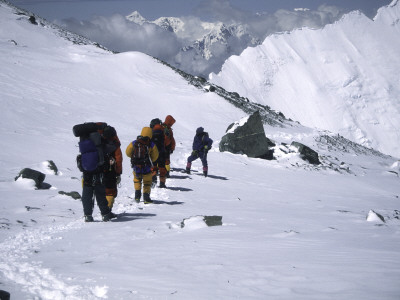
<point x="118" y="178"/>
<point x="194" y="152"/>
<point x="206" y="148"/>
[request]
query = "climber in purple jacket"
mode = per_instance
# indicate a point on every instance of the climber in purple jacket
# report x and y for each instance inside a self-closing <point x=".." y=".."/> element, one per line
<point x="201" y="144"/>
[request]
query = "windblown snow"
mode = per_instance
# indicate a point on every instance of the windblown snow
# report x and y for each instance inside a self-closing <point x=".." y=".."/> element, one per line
<point x="290" y="230"/>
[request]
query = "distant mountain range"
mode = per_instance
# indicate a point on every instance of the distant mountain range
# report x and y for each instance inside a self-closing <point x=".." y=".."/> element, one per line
<point x="212" y="42"/>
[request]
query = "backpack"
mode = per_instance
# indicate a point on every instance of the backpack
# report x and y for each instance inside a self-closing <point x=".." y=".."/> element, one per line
<point x="91" y="157"/>
<point x="85" y="129"/>
<point x="158" y="138"/>
<point x="167" y="134"/>
<point x="206" y="140"/>
<point x="140" y="154"/>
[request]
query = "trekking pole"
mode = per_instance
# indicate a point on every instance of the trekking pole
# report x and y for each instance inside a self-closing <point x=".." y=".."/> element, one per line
<point x="151" y="163"/>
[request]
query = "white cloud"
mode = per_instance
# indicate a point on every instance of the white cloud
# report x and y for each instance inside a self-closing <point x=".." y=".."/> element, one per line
<point x="118" y="34"/>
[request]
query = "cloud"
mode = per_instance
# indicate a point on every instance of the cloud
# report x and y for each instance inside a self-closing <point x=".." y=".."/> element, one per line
<point x="263" y="24"/>
<point x="181" y="49"/>
<point x="118" y="34"/>
<point x="289" y="20"/>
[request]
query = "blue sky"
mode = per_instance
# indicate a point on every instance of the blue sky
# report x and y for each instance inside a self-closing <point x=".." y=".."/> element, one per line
<point x="152" y="9"/>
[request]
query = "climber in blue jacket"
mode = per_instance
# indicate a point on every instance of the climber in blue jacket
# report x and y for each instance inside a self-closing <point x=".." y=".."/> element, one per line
<point x="202" y="143"/>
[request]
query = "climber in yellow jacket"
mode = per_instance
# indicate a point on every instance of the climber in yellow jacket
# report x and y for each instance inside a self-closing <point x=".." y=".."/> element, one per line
<point x="142" y="152"/>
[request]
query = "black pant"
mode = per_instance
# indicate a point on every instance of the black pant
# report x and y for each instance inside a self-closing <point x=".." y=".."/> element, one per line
<point x="93" y="186"/>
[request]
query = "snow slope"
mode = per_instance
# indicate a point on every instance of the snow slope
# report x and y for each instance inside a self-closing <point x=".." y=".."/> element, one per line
<point x="342" y="78"/>
<point x="290" y="230"/>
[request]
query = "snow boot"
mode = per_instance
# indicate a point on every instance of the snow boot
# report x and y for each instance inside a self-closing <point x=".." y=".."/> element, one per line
<point x="205" y="171"/>
<point x="89" y="218"/>
<point x="146" y="198"/>
<point x="109" y="216"/>
<point x="138" y="194"/>
<point x="162" y="185"/>
<point x="188" y="166"/>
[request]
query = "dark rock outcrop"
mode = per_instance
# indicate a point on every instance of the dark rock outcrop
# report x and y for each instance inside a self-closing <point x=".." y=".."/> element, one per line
<point x="307" y="153"/>
<point x="36" y="176"/>
<point x="4" y="295"/>
<point x="247" y="138"/>
<point x="52" y="166"/>
<point x="73" y="194"/>
<point x="208" y="220"/>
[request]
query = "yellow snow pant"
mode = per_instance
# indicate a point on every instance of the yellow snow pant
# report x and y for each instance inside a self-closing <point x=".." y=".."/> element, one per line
<point x="146" y="179"/>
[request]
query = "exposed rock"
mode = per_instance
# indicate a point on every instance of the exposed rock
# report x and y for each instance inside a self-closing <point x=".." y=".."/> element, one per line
<point x="375" y="217"/>
<point x="32" y="19"/>
<point x="4" y="295"/>
<point x="72" y="194"/>
<point x="52" y="166"/>
<point x="307" y="153"/>
<point x="201" y="221"/>
<point x="247" y="137"/>
<point x="36" y="176"/>
<point x="213" y="220"/>
<point x="29" y="208"/>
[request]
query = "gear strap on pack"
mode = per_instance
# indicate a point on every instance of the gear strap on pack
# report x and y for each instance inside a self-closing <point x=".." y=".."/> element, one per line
<point x="140" y="155"/>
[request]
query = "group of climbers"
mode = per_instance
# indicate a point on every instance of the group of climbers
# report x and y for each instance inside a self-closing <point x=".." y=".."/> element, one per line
<point x="150" y="156"/>
<point x="100" y="161"/>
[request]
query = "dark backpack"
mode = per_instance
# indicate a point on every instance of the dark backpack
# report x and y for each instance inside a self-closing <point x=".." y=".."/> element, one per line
<point x="167" y="132"/>
<point x="91" y="147"/>
<point x="85" y="129"/>
<point x="158" y="139"/>
<point x="140" y="154"/>
<point x="206" y="140"/>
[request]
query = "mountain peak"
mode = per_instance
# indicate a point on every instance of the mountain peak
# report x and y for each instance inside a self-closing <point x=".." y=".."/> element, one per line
<point x="389" y="14"/>
<point x="171" y="24"/>
<point x="136" y="17"/>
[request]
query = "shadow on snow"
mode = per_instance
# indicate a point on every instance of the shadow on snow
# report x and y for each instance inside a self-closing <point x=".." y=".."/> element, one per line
<point x="126" y="217"/>
<point x="168" y="202"/>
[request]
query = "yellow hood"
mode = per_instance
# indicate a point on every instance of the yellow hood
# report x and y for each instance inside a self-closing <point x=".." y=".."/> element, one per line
<point x="147" y="131"/>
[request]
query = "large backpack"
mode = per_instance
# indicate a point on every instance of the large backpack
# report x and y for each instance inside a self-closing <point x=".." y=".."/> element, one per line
<point x="206" y="140"/>
<point x="140" y="155"/>
<point x="92" y="153"/>
<point x="167" y="133"/>
<point x="85" y="129"/>
<point x="91" y="147"/>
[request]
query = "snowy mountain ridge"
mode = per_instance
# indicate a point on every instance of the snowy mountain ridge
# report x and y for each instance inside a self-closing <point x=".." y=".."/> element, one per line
<point x="281" y="223"/>
<point x="342" y="78"/>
